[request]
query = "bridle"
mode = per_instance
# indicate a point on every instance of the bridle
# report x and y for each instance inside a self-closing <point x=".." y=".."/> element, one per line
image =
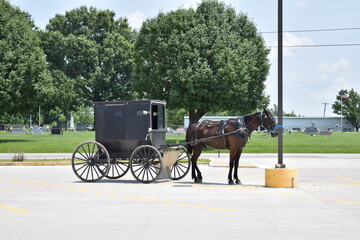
<point x="262" y="124"/>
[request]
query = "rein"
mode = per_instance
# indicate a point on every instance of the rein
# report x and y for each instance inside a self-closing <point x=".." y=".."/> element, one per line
<point x="262" y="124"/>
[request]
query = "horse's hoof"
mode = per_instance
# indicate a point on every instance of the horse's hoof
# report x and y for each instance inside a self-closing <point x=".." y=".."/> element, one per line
<point x="231" y="182"/>
<point x="238" y="182"/>
<point x="198" y="180"/>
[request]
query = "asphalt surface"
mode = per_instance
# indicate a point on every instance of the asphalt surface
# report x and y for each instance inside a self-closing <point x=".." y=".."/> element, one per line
<point x="49" y="202"/>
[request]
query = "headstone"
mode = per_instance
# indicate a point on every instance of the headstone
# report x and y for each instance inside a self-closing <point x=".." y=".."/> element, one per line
<point x="347" y="129"/>
<point x="37" y="131"/>
<point x="327" y="133"/>
<point x="18" y="131"/>
<point x="56" y="131"/>
<point x="45" y="130"/>
<point x="80" y="127"/>
<point x="2" y="127"/>
<point x="72" y="128"/>
<point x="311" y="130"/>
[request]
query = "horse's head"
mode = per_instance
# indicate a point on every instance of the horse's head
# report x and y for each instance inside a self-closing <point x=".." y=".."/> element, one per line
<point x="268" y="122"/>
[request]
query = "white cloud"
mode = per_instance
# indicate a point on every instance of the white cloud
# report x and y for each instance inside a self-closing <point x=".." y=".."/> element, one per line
<point x="289" y="40"/>
<point x="301" y="3"/>
<point x="189" y="6"/>
<point x="136" y="19"/>
<point x="341" y="64"/>
<point x="293" y="40"/>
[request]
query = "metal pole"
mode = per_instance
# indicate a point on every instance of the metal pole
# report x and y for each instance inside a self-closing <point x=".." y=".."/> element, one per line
<point x="341" y="113"/>
<point x="325" y="103"/>
<point x="280" y="85"/>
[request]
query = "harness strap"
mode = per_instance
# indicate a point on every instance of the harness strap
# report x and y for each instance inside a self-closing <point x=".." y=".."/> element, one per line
<point x="241" y="127"/>
<point x="262" y="124"/>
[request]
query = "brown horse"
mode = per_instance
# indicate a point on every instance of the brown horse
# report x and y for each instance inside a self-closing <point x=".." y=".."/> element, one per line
<point x="232" y="134"/>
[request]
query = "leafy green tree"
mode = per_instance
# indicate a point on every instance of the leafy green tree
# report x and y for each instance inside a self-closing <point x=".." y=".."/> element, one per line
<point x="350" y="107"/>
<point x="24" y="79"/>
<point x="85" y="116"/>
<point x="91" y="47"/>
<point x="64" y="99"/>
<point x="292" y="114"/>
<point x="208" y="59"/>
<point x="175" y="117"/>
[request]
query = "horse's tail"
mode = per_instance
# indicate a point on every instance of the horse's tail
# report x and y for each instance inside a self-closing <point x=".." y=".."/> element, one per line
<point x="189" y="135"/>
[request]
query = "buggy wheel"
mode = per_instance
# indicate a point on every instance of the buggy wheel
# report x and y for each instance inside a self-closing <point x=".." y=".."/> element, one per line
<point x="182" y="165"/>
<point x="146" y="163"/>
<point x="118" y="168"/>
<point x="90" y="161"/>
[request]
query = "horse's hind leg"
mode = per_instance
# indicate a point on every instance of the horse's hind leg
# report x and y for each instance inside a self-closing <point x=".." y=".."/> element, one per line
<point x="194" y="167"/>
<point x="231" y="166"/>
<point x="237" y="158"/>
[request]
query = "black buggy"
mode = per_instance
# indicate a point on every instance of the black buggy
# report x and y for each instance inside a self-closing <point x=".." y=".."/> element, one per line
<point x="130" y="135"/>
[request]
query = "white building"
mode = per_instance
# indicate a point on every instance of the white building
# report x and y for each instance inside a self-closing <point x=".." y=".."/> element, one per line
<point x="323" y="123"/>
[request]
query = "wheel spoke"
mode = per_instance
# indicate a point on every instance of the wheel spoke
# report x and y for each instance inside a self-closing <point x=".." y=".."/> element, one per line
<point x="92" y="172"/>
<point x="181" y="166"/>
<point x="119" y="166"/>
<point x="88" y="146"/>
<point x="97" y="169"/>
<point x="84" y="151"/>
<point x="150" y="169"/>
<point x="82" y="155"/>
<point x="153" y="170"/>
<point x="81" y="159"/>
<point x="147" y="174"/>
<point x="177" y="170"/>
<point x="81" y="163"/>
<point x="93" y="150"/>
<point x="140" y="168"/>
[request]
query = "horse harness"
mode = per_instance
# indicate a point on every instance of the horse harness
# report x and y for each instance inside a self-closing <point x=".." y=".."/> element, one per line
<point x="240" y="126"/>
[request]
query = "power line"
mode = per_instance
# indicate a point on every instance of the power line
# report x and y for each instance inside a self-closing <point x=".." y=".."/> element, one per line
<point x="319" y="30"/>
<point x="321" y="45"/>
<point x="308" y="11"/>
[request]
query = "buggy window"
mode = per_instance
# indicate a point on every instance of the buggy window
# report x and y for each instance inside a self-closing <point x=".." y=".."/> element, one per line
<point x="158" y="116"/>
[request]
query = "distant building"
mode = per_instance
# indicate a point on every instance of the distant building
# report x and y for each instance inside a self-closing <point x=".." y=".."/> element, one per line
<point x="323" y="123"/>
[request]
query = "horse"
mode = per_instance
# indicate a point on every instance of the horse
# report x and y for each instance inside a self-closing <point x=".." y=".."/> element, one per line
<point x="231" y="134"/>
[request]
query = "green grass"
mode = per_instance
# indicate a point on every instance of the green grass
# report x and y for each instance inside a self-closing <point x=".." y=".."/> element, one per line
<point x="46" y="143"/>
<point x="294" y="143"/>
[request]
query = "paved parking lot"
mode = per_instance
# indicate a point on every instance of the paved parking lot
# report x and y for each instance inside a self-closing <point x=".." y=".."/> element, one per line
<point x="48" y="202"/>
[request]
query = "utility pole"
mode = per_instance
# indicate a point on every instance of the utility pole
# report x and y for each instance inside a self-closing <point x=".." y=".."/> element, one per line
<point x="325" y="103"/>
<point x="280" y="85"/>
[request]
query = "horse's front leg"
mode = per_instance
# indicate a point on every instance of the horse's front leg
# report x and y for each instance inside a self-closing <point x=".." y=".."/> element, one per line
<point x="237" y="158"/>
<point x="194" y="167"/>
<point x="231" y="166"/>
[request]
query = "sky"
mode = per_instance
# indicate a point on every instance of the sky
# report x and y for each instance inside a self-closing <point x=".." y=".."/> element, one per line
<point x="312" y="75"/>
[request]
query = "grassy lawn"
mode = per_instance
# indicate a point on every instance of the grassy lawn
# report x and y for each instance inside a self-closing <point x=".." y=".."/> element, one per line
<point x="294" y="143"/>
<point x="46" y="143"/>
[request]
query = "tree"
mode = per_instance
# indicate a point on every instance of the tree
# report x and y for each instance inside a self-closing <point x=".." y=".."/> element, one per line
<point x="24" y="79"/>
<point x="208" y="59"/>
<point x="350" y="106"/>
<point x="93" y="49"/>
<point x="175" y="117"/>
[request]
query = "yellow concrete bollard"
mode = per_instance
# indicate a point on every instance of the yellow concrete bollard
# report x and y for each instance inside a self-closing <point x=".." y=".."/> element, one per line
<point x="281" y="178"/>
